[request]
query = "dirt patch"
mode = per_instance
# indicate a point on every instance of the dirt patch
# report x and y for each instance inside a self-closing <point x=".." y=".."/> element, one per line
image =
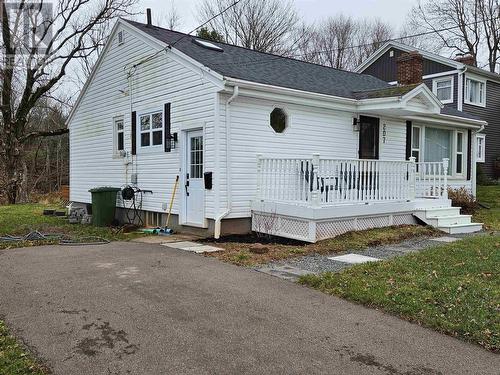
<point x="241" y="249"/>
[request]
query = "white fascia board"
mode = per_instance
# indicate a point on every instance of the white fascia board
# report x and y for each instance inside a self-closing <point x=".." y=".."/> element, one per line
<point x="442" y="74"/>
<point x="277" y="93"/>
<point x="108" y="42"/>
<point x="448" y="120"/>
<point x="213" y="76"/>
<point x="428" y="94"/>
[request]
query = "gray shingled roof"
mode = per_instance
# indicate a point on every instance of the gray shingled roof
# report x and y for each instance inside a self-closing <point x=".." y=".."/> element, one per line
<point x="249" y="65"/>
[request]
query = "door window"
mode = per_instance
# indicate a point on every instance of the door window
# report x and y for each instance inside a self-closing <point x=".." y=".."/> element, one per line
<point x="196" y="156"/>
<point x="369" y="138"/>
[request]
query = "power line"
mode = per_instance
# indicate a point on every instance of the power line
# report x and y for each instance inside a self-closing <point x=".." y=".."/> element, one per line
<point x="262" y="61"/>
<point x="148" y="58"/>
<point x="207" y="22"/>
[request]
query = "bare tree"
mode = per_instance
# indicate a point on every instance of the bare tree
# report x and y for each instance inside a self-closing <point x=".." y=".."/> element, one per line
<point x="262" y="25"/>
<point x="342" y="42"/>
<point x="463" y="26"/>
<point x="489" y="11"/>
<point x="168" y="18"/>
<point x="39" y="44"/>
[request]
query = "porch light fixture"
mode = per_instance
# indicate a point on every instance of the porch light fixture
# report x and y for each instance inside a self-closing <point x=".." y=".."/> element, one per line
<point x="355" y="124"/>
<point x="173" y="138"/>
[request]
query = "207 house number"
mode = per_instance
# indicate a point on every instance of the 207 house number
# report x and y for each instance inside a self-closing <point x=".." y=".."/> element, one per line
<point x="384" y="133"/>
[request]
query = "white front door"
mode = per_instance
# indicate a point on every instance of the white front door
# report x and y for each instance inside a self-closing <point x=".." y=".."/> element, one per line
<point x="194" y="185"/>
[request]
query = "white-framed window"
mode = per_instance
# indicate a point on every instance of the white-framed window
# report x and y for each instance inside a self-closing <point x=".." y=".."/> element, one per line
<point x="118" y="135"/>
<point x="443" y="89"/>
<point x="151" y="129"/>
<point x="475" y="91"/>
<point x="415" y="143"/>
<point x="459" y="151"/>
<point x="433" y="144"/>
<point x="480" y="148"/>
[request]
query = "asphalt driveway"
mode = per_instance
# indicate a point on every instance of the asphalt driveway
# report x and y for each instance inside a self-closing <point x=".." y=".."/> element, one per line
<point x="128" y="308"/>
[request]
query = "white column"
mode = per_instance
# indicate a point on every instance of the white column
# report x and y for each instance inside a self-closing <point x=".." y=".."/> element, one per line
<point x="473" y="162"/>
<point x="412" y="179"/>
<point x="315" y="194"/>
<point x="446" y="163"/>
<point x="259" y="176"/>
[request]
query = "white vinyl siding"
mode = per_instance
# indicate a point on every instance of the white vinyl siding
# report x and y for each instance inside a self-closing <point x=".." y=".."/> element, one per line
<point x="164" y="79"/>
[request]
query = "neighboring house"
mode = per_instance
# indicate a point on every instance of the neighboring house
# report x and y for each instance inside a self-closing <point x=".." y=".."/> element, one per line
<point x="262" y="141"/>
<point x="458" y="84"/>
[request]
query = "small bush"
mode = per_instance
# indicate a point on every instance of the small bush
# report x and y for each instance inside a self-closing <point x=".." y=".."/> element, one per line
<point x="463" y="198"/>
<point x="482" y="179"/>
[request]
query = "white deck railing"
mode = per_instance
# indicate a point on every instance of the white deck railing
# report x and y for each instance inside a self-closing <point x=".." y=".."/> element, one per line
<point x="324" y="181"/>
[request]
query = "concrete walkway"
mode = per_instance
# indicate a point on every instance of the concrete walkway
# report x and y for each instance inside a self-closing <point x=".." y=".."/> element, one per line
<point x="129" y="308"/>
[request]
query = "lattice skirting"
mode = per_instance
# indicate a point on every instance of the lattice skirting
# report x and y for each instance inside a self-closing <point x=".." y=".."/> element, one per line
<point x="315" y="230"/>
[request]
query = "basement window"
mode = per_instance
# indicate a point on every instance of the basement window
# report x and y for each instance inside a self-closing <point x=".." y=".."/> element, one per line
<point x="278" y="120"/>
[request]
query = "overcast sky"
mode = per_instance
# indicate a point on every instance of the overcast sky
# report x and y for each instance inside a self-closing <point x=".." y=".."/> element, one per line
<point x="391" y="11"/>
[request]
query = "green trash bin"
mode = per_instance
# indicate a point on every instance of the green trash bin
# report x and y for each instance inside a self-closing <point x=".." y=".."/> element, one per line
<point x="103" y="205"/>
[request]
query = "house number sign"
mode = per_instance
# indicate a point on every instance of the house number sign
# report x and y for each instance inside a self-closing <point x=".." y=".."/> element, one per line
<point x="384" y="133"/>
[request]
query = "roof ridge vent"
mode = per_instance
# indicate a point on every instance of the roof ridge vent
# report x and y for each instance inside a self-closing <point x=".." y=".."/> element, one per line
<point x="208" y="45"/>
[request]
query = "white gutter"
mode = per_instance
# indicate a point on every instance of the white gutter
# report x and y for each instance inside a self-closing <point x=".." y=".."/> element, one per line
<point x="218" y="219"/>
<point x="288" y="91"/>
<point x="460" y="93"/>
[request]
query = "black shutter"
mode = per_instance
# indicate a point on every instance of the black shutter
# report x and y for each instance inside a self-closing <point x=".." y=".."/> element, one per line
<point x="469" y="154"/>
<point x="167" y="133"/>
<point x="408" y="140"/>
<point x="134" y="133"/>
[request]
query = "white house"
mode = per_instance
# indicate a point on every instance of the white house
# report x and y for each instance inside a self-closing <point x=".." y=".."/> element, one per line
<point x="290" y="148"/>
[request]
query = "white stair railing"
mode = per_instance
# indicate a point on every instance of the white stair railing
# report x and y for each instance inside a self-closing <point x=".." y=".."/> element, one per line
<point x="432" y="179"/>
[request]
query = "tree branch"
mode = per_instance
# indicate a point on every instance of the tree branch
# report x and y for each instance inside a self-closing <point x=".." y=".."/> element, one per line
<point x="43" y="133"/>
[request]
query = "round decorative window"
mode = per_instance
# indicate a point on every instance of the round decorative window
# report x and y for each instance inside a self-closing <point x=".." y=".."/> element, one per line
<point x="278" y="120"/>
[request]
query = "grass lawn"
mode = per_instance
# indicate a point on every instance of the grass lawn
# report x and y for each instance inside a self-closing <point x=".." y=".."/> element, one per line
<point x="13" y="359"/>
<point x="489" y="195"/>
<point x="23" y="218"/>
<point x="238" y="250"/>
<point x="453" y="288"/>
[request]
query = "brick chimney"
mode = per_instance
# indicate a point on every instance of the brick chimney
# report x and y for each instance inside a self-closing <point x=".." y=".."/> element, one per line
<point x="410" y="68"/>
<point x="466" y="59"/>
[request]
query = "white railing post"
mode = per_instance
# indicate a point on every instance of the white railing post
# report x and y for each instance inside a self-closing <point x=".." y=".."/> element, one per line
<point x="412" y="178"/>
<point x="315" y="196"/>
<point x="446" y="162"/>
<point x="259" y="176"/>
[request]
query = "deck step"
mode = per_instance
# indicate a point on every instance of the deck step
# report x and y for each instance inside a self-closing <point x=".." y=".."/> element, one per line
<point x="462" y="228"/>
<point x="440" y="212"/>
<point x="443" y="221"/>
<point x="448" y="220"/>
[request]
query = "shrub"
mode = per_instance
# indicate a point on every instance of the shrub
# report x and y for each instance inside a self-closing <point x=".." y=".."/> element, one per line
<point x="482" y="179"/>
<point x="463" y="198"/>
